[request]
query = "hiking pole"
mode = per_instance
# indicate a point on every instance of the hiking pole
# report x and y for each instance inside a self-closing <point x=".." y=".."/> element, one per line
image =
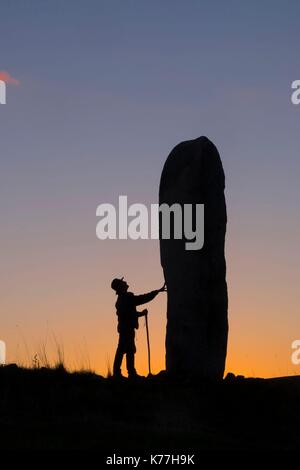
<point x="148" y="343"/>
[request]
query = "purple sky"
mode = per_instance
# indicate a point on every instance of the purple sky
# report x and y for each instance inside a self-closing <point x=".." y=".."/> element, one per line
<point x="107" y="88"/>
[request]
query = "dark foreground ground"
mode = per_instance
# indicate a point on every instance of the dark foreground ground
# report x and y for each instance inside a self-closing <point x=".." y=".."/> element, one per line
<point x="52" y="409"/>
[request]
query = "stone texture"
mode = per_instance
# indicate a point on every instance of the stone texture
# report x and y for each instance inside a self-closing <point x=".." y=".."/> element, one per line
<point x="197" y="326"/>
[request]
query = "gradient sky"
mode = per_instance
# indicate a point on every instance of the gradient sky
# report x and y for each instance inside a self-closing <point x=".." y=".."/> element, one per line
<point x="107" y="88"/>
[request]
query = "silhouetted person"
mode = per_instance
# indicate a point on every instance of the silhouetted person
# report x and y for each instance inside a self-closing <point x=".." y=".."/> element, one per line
<point x="127" y="323"/>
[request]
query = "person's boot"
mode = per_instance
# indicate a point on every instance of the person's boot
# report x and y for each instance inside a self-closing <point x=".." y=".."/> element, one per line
<point x="132" y="373"/>
<point x="135" y="376"/>
<point x="118" y="376"/>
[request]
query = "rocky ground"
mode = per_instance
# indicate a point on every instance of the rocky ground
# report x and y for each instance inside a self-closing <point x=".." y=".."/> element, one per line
<point x="53" y="409"/>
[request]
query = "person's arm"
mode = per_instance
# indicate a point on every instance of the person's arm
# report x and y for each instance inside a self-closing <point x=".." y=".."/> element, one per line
<point x="144" y="298"/>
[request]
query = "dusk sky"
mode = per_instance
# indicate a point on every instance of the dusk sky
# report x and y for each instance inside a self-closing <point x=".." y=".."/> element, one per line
<point x="106" y="90"/>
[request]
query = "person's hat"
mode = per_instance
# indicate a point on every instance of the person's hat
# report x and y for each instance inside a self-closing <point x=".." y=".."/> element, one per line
<point x="117" y="283"/>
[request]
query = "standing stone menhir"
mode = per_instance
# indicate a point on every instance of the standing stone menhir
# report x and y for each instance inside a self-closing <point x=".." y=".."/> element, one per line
<point x="197" y="326"/>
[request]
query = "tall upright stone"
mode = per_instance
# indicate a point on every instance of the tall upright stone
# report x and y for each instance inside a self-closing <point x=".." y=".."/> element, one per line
<point x="197" y="326"/>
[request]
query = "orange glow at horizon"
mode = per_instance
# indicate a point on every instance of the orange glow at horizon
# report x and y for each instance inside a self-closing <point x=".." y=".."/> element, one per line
<point x="79" y="315"/>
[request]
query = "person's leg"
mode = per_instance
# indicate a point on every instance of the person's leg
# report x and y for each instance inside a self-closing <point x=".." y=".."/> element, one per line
<point x="130" y="364"/>
<point x="130" y="352"/>
<point x="118" y="359"/>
